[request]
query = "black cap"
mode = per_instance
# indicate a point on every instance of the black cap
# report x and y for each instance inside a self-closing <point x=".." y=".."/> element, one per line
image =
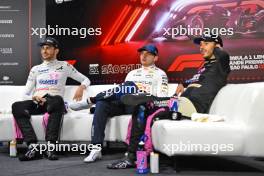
<point x="149" y="48"/>
<point x="49" y="41"/>
<point x="209" y="38"/>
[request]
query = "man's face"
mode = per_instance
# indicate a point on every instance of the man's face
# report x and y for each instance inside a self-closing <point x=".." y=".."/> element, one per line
<point x="207" y="49"/>
<point x="49" y="52"/>
<point x="147" y="59"/>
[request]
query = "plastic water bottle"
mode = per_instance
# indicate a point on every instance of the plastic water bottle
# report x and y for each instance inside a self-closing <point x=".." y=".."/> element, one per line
<point x="174" y="109"/>
<point x="154" y="163"/>
<point x="142" y="159"/>
<point x="13" y="149"/>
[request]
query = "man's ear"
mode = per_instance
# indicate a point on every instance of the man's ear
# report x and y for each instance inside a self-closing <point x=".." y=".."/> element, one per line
<point x="57" y="50"/>
<point x="156" y="58"/>
<point x="218" y="45"/>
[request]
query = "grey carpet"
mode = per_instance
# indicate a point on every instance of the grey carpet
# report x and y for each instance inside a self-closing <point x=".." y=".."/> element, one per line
<point x="71" y="164"/>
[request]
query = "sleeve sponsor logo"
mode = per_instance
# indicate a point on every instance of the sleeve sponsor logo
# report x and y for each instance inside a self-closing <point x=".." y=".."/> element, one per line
<point x="48" y="82"/>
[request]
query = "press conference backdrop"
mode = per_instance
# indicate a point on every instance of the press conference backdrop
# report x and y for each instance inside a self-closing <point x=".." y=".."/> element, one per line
<point x="18" y="50"/>
<point x="101" y="37"/>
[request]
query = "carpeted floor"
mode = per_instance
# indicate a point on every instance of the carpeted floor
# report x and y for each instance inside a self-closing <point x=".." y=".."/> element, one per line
<point x="71" y="164"/>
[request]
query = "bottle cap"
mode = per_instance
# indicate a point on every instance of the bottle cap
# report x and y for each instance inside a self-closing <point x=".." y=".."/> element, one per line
<point x="141" y="143"/>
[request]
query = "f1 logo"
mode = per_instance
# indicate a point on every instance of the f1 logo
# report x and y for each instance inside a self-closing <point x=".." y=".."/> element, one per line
<point x="186" y="61"/>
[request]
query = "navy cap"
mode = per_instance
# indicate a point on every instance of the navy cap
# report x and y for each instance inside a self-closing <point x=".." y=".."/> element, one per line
<point x="209" y="38"/>
<point x="49" y="41"/>
<point x="149" y="48"/>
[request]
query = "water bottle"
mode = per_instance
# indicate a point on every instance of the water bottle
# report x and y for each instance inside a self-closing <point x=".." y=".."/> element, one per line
<point x="174" y="109"/>
<point x="13" y="149"/>
<point x="142" y="159"/>
<point x="154" y="163"/>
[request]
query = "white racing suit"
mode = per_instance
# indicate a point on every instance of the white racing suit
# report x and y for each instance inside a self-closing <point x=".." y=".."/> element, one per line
<point x="150" y="80"/>
<point x="47" y="79"/>
<point x="147" y="79"/>
<point x="50" y="77"/>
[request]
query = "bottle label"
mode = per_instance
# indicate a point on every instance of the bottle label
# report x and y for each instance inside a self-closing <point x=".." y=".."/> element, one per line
<point x="154" y="163"/>
<point x="12" y="149"/>
<point x="173" y="104"/>
<point x="142" y="162"/>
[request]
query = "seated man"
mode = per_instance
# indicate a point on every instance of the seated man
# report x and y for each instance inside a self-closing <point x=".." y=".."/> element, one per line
<point x="147" y="79"/>
<point x="48" y="79"/>
<point x="197" y="97"/>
